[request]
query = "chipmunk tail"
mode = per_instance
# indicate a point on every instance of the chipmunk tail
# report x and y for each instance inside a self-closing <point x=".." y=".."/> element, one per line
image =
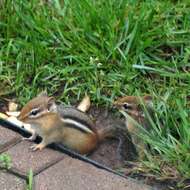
<point x="115" y="132"/>
<point x="125" y="148"/>
<point x="107" y="132"/>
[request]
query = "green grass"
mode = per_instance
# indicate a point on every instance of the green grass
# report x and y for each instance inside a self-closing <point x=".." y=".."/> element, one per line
<point x="30" y="180"/>
<point x="5" y="161"/>
<point x="106" y="48"/>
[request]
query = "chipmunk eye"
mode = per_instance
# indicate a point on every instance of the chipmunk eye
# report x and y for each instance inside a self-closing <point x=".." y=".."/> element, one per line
<point x="34" y="112"/>
<point x="127" y="106"/>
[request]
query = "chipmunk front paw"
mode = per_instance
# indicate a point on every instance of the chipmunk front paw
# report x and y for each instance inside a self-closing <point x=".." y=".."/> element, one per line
<point x="37" y="147"/>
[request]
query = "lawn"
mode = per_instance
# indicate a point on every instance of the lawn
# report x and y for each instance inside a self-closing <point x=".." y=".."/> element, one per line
<point x="106" y="48"/>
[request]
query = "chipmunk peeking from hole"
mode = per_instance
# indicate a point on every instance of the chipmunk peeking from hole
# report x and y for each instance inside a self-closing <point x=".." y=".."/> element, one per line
<point x="136" y="111"/>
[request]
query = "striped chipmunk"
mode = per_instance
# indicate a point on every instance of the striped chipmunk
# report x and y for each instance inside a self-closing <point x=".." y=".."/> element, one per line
<point x="62" y="124"/>
<point x="135" y="110"/>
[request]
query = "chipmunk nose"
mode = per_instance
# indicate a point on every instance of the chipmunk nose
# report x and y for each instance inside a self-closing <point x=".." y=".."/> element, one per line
<point x="19" y="117"/>
<point x="114" y="105"/>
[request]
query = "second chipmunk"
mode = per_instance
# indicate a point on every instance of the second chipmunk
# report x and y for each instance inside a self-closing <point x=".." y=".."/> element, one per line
<point x="59" y="124"/>
<point x="136" y="107"/>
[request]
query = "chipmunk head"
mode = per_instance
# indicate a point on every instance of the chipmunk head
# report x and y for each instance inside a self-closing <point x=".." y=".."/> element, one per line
<point x="37" y="108"/>
<point x="133" y="104"/>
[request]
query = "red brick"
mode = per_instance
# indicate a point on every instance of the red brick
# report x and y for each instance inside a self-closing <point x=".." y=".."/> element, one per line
<point x="11" y="182"/>
<point x="24" y="158"/>
<point x="72" y="174"/>
<point x="8" y="138"/>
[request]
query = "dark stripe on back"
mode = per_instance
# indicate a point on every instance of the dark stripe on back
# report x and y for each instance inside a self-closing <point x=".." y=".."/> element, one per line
<point x="69" y="125"/>
<point x="68" y="112"/>
<point x="80" y="121"/>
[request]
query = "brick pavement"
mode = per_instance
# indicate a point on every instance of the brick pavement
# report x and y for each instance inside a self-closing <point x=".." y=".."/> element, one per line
<point x="54" y="170"/>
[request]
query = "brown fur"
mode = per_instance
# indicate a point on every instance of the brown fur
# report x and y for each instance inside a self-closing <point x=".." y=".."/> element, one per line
<point x="39" y="101"/>
<point x="132" y="100"/>
<point x="80" y="142"/>
<point x="51" y="128"/>
<point x="137" y="113"/>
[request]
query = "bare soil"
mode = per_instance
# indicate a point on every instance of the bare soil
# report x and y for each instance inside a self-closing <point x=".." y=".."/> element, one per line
<point x="108" y="152"/>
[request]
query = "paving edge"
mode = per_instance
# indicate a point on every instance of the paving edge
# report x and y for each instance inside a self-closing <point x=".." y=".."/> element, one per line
<point x="24" y="175"/>
<point x="10" y="144"/>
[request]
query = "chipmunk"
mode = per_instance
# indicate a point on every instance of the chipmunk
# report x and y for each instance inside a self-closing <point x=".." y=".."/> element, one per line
<point x="135" y="108"/>
<point x="60" y="124"/>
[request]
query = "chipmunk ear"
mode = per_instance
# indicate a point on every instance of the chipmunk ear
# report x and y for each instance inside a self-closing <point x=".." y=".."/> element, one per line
<point x="148" y="100"/>
<point x="51" y="105"/>
<point x="43" y="93"/>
